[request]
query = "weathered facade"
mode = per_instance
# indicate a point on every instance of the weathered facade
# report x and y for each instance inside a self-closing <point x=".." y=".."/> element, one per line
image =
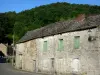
<point x="26" y="56"/>
<point x="70" y="47"/>
<point x="69" y="59"/>
<point x="3" y="49"/>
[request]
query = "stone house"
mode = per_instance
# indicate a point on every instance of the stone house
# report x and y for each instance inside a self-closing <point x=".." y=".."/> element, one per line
<point x="3" y="49"/>
<point x="61" y="48"/>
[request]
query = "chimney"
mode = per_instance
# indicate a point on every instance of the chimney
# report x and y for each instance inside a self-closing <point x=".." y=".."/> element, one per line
<point x="80" y="18"/>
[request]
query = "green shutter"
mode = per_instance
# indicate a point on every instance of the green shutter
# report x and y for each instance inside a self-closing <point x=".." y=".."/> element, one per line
<point x="45" y="46"/>
<point x="61" y="46"/>
<point x="77" y="42"/>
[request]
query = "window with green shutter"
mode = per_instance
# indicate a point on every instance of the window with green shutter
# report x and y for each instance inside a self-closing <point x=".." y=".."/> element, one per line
<point x="76" y="42"/>
<point x="61" y="45"/>
<point x="45" y="46"/>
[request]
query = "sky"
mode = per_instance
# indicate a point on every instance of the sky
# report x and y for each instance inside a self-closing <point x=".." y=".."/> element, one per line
<point x="21" y="5"/>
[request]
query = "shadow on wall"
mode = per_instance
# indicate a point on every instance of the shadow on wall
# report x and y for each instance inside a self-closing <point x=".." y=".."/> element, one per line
<point x="11" y="54"/>
<point x="2" y="57"/>
<point x="10" y="51"/>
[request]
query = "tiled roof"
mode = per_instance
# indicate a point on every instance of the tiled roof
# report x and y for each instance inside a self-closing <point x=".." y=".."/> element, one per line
<point x="62" y="27"/>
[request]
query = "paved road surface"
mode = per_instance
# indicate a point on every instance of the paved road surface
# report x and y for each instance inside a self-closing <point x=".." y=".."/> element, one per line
<point x="7" y="69"/>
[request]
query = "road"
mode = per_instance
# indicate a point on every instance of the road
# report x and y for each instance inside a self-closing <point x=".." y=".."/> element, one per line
<point x="7" y="69"/>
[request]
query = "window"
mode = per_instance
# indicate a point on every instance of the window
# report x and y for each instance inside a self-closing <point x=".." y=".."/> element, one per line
<point x="60" y="46"/>
<point x="45" y="46"/>
<point x="76" y="42"/>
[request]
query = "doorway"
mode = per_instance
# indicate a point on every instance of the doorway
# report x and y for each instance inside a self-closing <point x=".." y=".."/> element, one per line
<point x="34" y="65"/>
<point x="53" y="66"/>
<point x="20" y="58"/>
<point x="75" y="65"/>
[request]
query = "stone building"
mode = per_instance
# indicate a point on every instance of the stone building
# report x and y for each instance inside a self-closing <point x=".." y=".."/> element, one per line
<point x="26" y="55"/>
<point x="3" y="49"/>
<point x="61" y="48"/>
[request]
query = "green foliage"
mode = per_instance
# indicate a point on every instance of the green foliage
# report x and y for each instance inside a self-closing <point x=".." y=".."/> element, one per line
<point x="7" y="21"/>
<point x="46" y="14"/>
<point x="18" y="24"/>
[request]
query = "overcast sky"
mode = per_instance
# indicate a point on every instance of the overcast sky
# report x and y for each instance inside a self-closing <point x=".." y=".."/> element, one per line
<point x="20" y="5"/>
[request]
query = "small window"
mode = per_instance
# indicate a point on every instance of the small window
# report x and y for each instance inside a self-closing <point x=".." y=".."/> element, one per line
<point x="61" y="45"/>
<point x="76" y="42"/>
<point x="45" y="46"/>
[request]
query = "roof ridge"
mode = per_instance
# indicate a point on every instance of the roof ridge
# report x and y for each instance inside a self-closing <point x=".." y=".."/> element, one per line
<point x="61" y="27"/>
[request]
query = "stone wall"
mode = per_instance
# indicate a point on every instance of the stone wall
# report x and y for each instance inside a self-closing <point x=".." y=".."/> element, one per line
<point x="26" y="56"/>
<point x="84" y="60"/>
<point x="19" y="54"/>
<point x="3" y="48"/>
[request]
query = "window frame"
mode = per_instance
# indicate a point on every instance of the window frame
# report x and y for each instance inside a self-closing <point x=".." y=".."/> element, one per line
<point x="45" y="46"/>
<point x="76" y="42"/>
<point x="61" y="45"/>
